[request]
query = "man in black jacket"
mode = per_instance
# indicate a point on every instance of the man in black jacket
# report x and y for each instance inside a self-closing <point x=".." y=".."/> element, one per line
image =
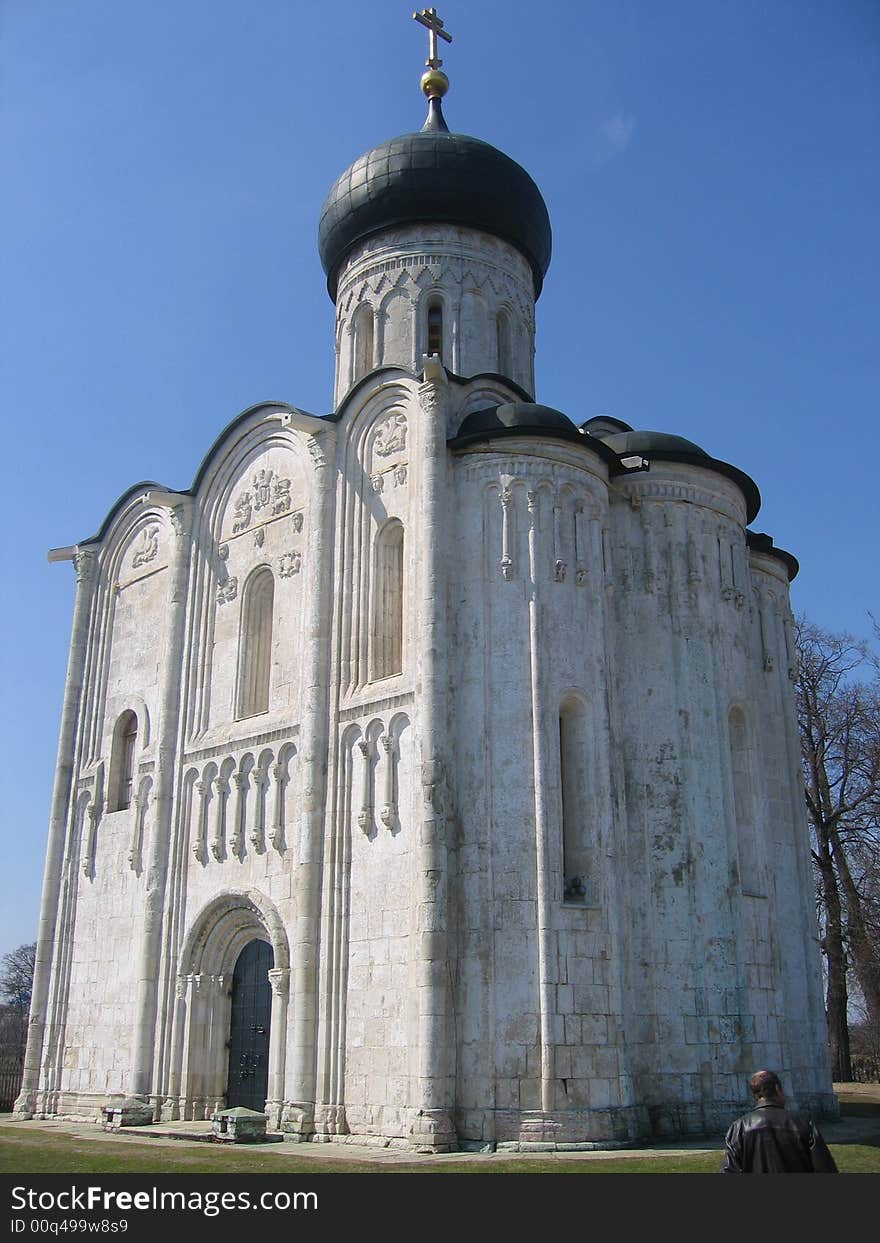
<point x="770" y="1140"/>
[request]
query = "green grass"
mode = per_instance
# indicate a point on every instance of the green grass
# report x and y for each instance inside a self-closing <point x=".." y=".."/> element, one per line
<point x="37" y="1151"/>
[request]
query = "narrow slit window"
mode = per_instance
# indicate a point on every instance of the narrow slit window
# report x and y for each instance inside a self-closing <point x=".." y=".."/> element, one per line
<point x="435" y="329"/>
<point x="122" y="761"/>
<point x="363" y="341"/>
<point x="502" y="334"/>
<point x="744" y="806"/>
<point x="255" y="644"/>
<point x="388" y="602"/>
<point x="578" y="883"/>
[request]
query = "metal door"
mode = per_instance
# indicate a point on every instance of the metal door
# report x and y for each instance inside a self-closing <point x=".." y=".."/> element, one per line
<point x="249" y="1032"/>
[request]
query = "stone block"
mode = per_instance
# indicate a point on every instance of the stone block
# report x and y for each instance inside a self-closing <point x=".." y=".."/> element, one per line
<point x="129" y="1111"/>
<point x="239" y="1126"/>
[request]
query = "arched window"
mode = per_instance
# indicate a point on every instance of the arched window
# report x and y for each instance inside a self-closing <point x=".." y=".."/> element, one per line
<point x="435" y="329"/>
<point x="744" y="805"/>
<point x="387" y="628"/>
<point x="579" y="885"/>
<point x="502" y="335"/>
<point x="255" y="644"/>
<point x="122" y="758"/>
<point x="363" y="341"/>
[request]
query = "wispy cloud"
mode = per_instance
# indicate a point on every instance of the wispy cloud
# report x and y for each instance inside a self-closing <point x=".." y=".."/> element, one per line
<point x="617" y="134"/>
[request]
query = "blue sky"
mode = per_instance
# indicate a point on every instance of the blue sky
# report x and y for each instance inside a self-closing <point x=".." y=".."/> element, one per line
<point x="711" y="171"/>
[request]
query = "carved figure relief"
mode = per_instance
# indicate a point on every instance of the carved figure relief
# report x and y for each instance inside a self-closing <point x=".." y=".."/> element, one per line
<point x="262" y="488"/>
<point x="390" y="435"/>
<point x="281" y="496"/>
<point x="297" y="520"/>
<point x="289" y="563"/>
<point x="243" y="513"/>
<point x="227" y="591"/>
<point x="147" y="547"/>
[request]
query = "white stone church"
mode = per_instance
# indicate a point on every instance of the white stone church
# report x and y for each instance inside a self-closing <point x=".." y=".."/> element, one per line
<point x="429" y="770"/>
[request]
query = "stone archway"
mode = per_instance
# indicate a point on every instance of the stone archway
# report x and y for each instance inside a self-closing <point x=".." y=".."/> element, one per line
<point x="203" y="1011"/>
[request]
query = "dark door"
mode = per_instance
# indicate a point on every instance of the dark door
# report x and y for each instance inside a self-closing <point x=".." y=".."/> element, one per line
<point x="249" y="1034"/>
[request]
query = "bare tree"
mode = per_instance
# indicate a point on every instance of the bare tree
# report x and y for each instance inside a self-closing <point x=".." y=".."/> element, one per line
<point x="16" y="981"/>
<point x="838" y="692"/>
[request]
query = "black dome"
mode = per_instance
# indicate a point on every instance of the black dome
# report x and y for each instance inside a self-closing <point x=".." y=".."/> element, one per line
<point x="517" y="416"/>
<point x="526" y="418"/>
<point x="440" y="178"/>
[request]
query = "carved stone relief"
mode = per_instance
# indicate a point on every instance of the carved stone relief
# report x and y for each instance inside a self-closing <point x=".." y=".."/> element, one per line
<point x="226" y="592"/>
<point x="267" y="491"/>
<point x="396" y="476"/>
<point x="281" y="497"/>
<point x="147" y="547"/>
<point x="243" y="513"/>
<point x="289" y="563"/>
<point x="391" y="435"/>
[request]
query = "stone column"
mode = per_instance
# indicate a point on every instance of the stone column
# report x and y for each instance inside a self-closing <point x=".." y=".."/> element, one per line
<point x="221" y="794"/>
<point x="199" y="847"/>
<point x="365" y="815"/>
<point x="184" y="1067"/>
<point x="141" y="803"/>
<point x="84" y="562"/>
<point x="388" y="814"/>
<point x="261" y="780"/>
<point x="544" y="876"/>
<point x="276" y="829"/>
<point x="279" y="979"/>
<point x="197" y="1046"/>
<point x="236" y="837"/>
<point x="433" y="1129"/>
<point x="172" y="1108"/>
<point x="299" y="1110"/>
<point x="146" y="1004"/>
<point x="217" y="1024"/>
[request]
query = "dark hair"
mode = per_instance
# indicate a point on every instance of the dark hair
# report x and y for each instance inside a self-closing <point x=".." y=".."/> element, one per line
<point x="764" y="1083"/>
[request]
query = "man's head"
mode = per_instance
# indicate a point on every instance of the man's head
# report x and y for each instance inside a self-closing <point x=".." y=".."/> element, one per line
<point x="765" y="1086"/>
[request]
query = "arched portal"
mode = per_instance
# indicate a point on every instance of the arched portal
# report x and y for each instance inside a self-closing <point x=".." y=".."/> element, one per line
<point x="248" y="1079"/>
<point x="237" y="942"/>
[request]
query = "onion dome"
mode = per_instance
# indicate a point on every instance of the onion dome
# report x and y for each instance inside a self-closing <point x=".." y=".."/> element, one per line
<point x="434" y="177"/>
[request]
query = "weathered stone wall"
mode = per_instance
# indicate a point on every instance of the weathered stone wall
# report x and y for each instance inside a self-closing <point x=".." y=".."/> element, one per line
<point x="507" y="775"/>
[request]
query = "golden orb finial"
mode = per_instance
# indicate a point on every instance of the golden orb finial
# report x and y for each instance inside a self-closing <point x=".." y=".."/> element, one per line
<point x="434" y="83"/>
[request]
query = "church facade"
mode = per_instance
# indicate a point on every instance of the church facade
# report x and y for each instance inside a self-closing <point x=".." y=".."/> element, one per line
<point x="429" y="770"/>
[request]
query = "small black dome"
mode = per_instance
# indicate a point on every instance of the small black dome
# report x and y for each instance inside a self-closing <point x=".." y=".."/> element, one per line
<point x="438" y="178"/>
<point x="651" y="442"/>
<point x="665" y="447"/>
<point x="517" y="417"/>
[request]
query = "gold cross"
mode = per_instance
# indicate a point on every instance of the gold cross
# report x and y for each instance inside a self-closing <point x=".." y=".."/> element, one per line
<point x="429" y="19"/>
